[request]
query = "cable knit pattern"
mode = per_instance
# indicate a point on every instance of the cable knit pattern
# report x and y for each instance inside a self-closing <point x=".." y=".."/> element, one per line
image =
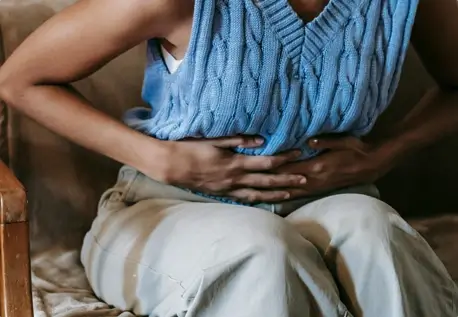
<point x="254" y="67"/>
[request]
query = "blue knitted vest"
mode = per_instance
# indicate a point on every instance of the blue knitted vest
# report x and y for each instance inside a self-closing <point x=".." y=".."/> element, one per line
<point x="254" y="67"/>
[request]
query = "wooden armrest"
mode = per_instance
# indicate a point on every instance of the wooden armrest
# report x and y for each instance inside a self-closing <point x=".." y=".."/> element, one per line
<point x="13" y="198"/>
<point x="15" y="279"/>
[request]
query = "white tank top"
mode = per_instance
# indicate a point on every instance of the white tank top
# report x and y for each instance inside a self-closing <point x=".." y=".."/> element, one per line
<point x="170" y="61"/>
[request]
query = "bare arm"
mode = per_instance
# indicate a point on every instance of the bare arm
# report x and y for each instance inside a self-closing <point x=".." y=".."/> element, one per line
<point x="435" y="37"/>
<point x="352" y="161"/>
<point x="71" y="46"/>
<point x="82" y="39"/>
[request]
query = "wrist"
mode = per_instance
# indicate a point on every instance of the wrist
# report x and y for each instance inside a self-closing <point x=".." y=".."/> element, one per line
<point x="153" y="158"/>
<point x="388" y="153"/>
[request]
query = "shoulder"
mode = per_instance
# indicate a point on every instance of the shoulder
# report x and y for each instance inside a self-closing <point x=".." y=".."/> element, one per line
<point x="155" y="16"/>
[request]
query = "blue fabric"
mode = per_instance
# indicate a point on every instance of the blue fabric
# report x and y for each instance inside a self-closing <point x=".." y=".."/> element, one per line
<point x="254" y="68"/>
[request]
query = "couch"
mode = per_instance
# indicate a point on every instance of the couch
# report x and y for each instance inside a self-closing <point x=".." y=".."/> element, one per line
<point x="63" y="181"/>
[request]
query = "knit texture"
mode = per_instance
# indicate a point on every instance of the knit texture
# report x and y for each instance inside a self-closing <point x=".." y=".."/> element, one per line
<point x="253" y="67"/>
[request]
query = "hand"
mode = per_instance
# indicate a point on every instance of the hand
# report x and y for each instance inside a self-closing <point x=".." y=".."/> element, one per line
<point x="210" y="166"/>
<point x="346" y="161"/>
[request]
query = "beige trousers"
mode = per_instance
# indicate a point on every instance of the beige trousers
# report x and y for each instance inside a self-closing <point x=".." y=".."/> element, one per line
<point x="161" y="251"/>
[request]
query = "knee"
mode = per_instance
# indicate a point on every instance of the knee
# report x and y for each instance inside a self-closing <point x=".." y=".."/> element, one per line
<point x="372" y="217"/>
<point x="363" y="217"/>
<point x="262" y="252"/>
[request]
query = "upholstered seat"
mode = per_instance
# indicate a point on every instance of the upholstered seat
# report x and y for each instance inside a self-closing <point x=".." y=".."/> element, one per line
<point x="63" y="181"/>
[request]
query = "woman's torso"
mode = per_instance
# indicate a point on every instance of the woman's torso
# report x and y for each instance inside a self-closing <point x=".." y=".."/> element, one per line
<point x="256" y="68"/>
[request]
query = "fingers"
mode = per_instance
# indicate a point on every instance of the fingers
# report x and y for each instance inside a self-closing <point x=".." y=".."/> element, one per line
<point x="265" y="163"/>
<point x="250" y="195"/>
<point x="270" y="181"/>
<point x="251" y="181"/>
<point x="254" y="196"/>
<point x="295" y="193"/>
<point x="237" y="141"/>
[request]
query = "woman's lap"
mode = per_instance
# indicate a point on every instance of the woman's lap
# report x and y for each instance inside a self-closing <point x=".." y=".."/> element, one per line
<point x="188" y="243"/>
<point x="163" y="257"/>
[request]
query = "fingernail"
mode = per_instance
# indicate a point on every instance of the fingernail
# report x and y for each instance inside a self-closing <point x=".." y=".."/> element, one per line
<point x="314" y="141"/>
<point x="259" y="140"/>
<point x="303" y="180"/>
<point x="287" y="196"/>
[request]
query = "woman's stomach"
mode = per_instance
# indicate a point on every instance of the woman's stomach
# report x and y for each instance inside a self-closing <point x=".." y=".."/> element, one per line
<point x="280" y="134"/>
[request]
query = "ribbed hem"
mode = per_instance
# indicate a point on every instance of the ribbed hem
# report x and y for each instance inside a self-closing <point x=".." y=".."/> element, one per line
<point x="307" y="40"/>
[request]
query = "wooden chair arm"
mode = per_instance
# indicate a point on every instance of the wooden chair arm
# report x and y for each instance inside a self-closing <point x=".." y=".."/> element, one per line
<point x="15" y="279"/>
<point x="13" y="198"/>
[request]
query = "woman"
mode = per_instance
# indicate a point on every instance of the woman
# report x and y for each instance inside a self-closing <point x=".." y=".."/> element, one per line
<point x="234" y="200"/>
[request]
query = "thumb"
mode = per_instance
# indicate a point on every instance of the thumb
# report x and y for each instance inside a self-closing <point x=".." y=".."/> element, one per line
<point x="340" y="143"/>
<point x="241" y="141"/>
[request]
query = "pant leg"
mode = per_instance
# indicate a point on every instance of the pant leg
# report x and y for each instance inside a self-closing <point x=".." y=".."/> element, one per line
<point x="382" y="265"/>
<point x="170" y="257"/>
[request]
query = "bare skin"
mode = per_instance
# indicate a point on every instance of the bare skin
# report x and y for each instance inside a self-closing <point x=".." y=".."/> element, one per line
<point x="35" y="75"/>
<point x="34" y="80"/>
